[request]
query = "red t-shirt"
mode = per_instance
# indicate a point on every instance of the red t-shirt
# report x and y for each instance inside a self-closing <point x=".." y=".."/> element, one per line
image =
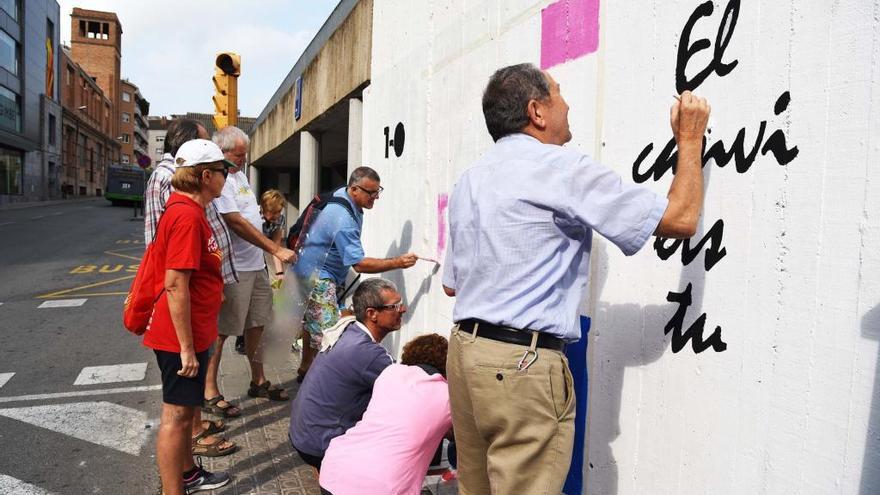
<point x="185" y="241"/>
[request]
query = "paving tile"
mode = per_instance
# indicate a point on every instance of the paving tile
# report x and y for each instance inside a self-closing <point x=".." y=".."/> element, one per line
<point x="265" y="463"/>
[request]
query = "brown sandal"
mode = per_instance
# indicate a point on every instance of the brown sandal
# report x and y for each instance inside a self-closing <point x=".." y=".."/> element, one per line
<point x="213" y="406"/>
<point x="213" y="449"/>
<point x="211" y="427"/>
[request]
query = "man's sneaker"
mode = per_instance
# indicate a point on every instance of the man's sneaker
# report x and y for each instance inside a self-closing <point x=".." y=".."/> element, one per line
<point x="203" y="480"/>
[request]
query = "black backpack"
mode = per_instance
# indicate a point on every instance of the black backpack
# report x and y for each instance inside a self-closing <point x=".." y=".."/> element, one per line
<point x="295" y="236"/>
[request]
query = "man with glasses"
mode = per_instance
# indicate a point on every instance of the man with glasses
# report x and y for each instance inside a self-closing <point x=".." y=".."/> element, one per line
<point x="336" y="235"/>
<point x="335" y="394"/>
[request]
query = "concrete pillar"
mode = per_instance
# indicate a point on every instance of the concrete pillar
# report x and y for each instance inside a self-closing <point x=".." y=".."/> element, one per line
<point x="309" y="167"/>
<point x="355" y="133"/>
<point x="253" y="175"/>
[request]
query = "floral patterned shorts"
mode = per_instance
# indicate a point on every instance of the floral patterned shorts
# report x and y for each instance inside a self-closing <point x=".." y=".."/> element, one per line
<point x="322" y="311"/>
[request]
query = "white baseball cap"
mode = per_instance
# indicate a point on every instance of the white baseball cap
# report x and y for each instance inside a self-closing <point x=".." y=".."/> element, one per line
<point x="197" y="152"/>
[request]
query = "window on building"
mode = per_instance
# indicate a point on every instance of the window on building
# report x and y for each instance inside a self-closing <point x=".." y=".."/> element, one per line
<point x="10" y="110"/>
<point x="126" y="138"/>
<point x="160" y="139"/>
<point x="10" y="7"/>
<point x="160" y="150"/>
<point x="8" y="53"/>
<point x="126" y="117"/>
<point x="94" y="30"/>
<point x="69" y="82"/>
<point x="126" y="96"/>
<point x="10" y="171"/>
<point x="52" y="124"/>
<point x="125" y="159"/>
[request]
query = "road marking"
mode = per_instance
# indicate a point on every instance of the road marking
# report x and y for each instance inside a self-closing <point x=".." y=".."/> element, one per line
<point x="62" y="303"/>
<point x="38" y="217"/>
<point x="83" y="269"/>
<point x="114" y="253"/>
<point x="6" y="223"/>
<point x="14" y="486"/>
<point x="56" y="213"/>
<point x="110" y="425"/>
<point x="4" y="378"/>
<point x="89" y="286"/>
<point x="92" y="375"/>
<point x="80" y="393"/>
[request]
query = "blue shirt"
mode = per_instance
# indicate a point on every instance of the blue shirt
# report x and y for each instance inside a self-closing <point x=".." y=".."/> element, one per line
<point x="333" y="242"/>
<point x="521" y="224"/>
<point x="336" y="390"/>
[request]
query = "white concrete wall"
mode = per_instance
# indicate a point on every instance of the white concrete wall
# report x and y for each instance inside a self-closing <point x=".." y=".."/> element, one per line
<point x="793" y="403"/>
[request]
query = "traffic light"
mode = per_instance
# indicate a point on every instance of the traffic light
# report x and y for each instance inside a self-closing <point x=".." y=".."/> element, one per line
<point x="227" y="68"/>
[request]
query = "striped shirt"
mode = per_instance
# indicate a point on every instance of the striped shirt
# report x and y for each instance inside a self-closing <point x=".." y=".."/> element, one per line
<point x="158" y="190"/>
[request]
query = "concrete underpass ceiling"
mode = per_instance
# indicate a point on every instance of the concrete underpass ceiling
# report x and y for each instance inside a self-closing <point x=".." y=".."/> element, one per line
<point x="331" y="129"/>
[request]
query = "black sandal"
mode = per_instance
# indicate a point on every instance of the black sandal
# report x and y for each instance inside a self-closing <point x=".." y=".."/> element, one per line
<point x="268" y="391"/>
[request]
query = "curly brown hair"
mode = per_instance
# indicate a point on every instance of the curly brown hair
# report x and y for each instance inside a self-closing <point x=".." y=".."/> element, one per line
<point x="427" y="349"/>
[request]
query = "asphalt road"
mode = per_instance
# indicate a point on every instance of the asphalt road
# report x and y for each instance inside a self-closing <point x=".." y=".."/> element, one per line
<point x="63" y="429"/>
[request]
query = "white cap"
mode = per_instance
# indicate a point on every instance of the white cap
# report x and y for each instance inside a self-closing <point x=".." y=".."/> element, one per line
<point x="196" y="152"/>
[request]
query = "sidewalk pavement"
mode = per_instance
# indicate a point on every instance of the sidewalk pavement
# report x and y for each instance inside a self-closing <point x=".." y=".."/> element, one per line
<point x="34" y="204"/>
<point x="265" y="463"/>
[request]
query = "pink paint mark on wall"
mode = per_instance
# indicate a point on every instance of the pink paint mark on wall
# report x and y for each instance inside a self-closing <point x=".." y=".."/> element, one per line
<point x="569" y="30"/>
<point x="442" y="204"/>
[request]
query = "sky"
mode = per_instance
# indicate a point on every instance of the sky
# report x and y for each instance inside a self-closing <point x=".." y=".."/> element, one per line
<point x="169" y="46"/>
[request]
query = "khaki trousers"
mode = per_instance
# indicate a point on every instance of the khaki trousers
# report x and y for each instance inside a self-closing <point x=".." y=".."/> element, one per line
<point x="514" y="430"/>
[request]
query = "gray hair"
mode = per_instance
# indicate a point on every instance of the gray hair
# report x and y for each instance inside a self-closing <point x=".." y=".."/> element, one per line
<point x="507" y="96"/>
<point x="369" y="295"/>
<point x="228" y="138"/>
<point x="362" y="173"/>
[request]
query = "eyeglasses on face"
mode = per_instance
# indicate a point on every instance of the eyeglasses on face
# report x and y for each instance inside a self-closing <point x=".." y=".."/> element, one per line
<point x="373" y="194"/>
<point x="396" y="306"/>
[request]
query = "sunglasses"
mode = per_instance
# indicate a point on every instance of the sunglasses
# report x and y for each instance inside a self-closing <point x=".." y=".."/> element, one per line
<point x="224" y="171"/>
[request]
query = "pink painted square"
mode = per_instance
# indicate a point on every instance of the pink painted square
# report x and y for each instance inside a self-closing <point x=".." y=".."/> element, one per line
<point x="569" y="30"/>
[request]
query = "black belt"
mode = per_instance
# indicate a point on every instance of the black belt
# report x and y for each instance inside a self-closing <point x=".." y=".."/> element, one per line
<point x="512" y="335"/>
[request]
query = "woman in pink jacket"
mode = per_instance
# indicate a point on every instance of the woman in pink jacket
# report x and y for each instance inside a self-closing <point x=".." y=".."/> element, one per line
<point x="389" y="450"/>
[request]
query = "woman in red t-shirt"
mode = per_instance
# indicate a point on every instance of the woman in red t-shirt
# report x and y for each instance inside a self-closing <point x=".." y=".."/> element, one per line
<point x="184" y="322"/>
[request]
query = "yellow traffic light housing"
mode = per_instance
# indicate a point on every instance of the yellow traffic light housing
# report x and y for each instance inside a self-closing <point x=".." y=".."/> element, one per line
<point x="227" y="68"/>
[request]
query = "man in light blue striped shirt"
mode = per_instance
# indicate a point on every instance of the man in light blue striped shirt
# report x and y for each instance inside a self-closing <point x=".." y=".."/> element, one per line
<point x="522" y="219"/>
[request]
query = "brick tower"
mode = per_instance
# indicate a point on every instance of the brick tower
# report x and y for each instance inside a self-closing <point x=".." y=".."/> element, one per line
<point x="96" y="44"/>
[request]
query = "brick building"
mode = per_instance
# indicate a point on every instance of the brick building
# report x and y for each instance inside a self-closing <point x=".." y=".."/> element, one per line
<point x="89" y="144"/>
<point x="96" y="45"/>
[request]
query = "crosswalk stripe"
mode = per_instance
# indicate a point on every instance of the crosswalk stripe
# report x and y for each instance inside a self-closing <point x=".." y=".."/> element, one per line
<point x="5" y="377"/>
<point x="80" y="393"/>
<point x="103" y="423"/>
<point x="62" y="303"/>
<point x="91" y="375"/>
<point x="14" y="486"/>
